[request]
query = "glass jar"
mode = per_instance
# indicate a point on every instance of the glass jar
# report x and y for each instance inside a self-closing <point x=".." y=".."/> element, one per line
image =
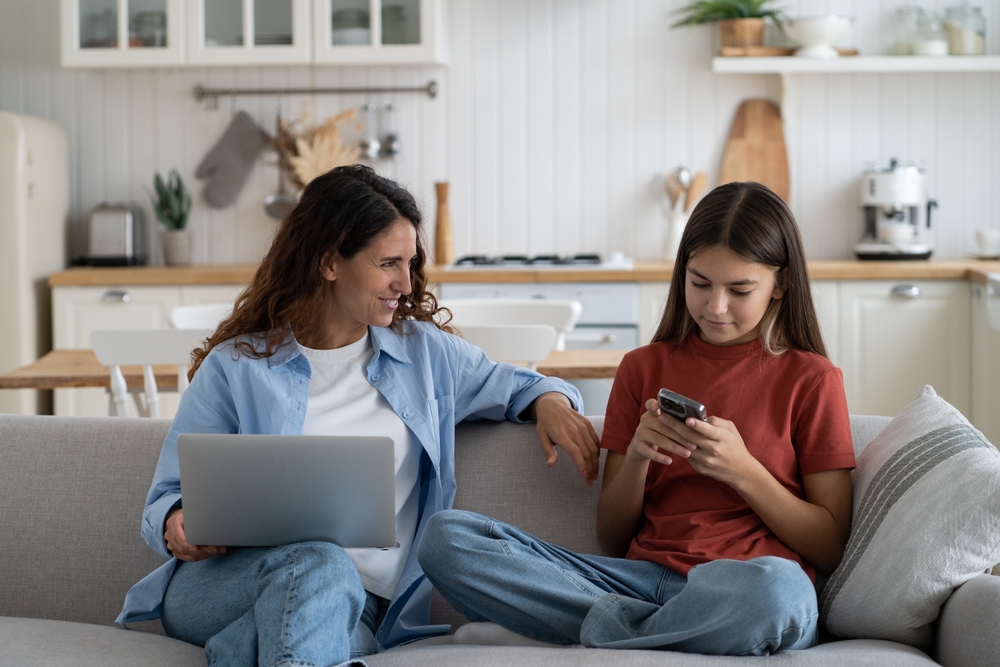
<point x="930" y="38"/>
<point x="907" y="16"/>
<point x="966" y="30"/>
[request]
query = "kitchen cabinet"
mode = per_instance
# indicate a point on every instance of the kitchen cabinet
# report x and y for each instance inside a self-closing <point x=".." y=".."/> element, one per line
<point x="379" y="32"/>
<point x="897" y="336"/>
<point x="986" y="367"/>
<point x="77" y="311"/>
<point x="150" y="33"/>
<point x="122" y="33"/>
<point x="249" y="32"/>
<point x="652" y="302"/>
<point x="826" y="299"/>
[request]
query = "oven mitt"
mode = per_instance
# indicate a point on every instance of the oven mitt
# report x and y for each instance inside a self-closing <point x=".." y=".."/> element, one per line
<point x="228" y="164"/>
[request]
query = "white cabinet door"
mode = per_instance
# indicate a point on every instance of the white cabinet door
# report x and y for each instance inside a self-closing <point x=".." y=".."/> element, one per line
<point x="398" y="32"/>
<point x="122" y="33"/>
<point x="896" y="337"/>
<point x="986" y="364"/>
<point x="652" y="302"/>
<point x="826" y="299"/>
<point x="249" y="32"/>
<point x="77" y="311"/>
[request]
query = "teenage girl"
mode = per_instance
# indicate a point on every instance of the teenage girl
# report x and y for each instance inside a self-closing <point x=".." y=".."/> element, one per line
<point x="716" y="527"/>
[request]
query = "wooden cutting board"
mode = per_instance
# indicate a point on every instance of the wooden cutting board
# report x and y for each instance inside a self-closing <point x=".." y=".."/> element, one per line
<point x="755" y="150"/>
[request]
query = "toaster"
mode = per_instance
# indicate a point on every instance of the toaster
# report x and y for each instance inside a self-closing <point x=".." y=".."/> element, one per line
<point x="116" y="235"/>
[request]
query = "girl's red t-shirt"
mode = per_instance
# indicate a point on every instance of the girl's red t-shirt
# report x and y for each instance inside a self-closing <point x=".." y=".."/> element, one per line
<point x="791" y="412"/>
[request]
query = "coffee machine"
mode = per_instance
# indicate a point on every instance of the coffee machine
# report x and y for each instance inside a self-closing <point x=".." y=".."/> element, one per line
<point x="897" y="213"/>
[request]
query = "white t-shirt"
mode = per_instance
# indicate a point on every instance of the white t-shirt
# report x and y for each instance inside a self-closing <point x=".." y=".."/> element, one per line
<point x="342" y="402"/>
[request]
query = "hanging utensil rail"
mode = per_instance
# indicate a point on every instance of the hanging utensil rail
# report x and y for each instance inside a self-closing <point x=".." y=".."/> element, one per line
<point x="212" y="95"/>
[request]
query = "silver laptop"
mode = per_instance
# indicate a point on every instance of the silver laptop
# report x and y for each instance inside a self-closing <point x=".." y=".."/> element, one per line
<point x="269" y="490"/>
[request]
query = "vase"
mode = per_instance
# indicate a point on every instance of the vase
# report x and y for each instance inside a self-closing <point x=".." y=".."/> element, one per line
<point x="177" y="247"/>
<point x="742" y="32"/>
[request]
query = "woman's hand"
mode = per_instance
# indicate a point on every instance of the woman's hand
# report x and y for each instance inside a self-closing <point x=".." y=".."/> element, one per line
<point x="178" y="546"/>
<point x="716" y="448"/>
<point x="558" y="424"/>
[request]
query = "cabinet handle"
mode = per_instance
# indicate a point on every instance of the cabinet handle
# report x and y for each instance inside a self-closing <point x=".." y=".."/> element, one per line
<point x="116" y="296"/>
<point x="906" y="291"/>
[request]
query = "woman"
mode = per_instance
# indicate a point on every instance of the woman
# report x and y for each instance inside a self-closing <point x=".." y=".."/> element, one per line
<point x="335" y="334"/>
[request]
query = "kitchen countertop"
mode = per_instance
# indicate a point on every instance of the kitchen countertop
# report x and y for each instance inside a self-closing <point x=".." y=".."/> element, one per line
<point x="974" y="270"/>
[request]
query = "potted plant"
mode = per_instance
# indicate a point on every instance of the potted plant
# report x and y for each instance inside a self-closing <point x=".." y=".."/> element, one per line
<point x="741" y="22"/>
<point x="172" y="203"/>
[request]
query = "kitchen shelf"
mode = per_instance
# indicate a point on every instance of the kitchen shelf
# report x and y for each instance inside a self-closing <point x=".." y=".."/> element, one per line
<point x="855" y="64"/>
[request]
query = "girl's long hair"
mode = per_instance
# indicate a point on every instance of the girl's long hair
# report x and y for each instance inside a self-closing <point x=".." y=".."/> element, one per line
<point x="341" y="211"/>
<point x="757" y="225"/>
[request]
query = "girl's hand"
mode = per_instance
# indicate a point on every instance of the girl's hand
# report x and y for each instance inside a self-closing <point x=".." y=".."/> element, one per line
<point x="655" y="440"/>
<point x="717" y="448"/>
<point x="178" y="545"/>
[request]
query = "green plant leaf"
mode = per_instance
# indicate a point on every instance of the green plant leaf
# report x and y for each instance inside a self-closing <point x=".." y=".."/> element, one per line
<point x="708" y="11"/>
<point x="172" y="203"/>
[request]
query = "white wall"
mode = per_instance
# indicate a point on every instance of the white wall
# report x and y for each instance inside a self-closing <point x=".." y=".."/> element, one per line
<point x="556" y="119"/>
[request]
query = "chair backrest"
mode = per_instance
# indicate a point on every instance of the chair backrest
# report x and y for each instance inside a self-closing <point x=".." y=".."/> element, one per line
<point x="529" y="343"/>
<point x="560" y="314"/>
<point x="199" y="316"/>
<point x="144" y="347"/>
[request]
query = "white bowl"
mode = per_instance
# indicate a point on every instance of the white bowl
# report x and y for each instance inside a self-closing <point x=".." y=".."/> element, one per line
<point x="815" y="34"/>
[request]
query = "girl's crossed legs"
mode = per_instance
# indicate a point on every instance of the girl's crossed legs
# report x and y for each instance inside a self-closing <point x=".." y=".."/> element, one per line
<point x="491" y="571"/>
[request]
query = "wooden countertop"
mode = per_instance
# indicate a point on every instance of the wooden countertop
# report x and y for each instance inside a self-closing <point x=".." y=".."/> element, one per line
<point x="79" y="368"/>
<point x="974" y="270"/>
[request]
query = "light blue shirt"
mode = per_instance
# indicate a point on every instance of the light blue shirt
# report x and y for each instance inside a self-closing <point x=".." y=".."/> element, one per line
<point x="432" y="380"/>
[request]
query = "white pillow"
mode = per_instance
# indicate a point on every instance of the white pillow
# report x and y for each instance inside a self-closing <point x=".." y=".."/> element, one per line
<point x="926" y="520"/>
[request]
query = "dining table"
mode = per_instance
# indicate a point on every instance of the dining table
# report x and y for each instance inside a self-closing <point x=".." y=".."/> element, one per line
<point x="60" y="369"/>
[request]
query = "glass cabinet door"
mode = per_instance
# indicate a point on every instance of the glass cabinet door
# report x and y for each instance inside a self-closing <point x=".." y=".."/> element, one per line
<point x="378" y="31"/>
<point x="110" y="33"/>
<point x="249" y="32"/>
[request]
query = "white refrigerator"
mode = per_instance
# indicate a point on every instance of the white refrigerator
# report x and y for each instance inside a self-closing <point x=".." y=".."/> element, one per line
<point x="34" y="211"/>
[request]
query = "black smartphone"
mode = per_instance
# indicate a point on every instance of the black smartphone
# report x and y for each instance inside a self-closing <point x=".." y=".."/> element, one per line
<point x="681" y="407"/>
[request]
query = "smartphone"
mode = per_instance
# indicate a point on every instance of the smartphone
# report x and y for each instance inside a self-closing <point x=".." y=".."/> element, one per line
<point x="681" y="407"/>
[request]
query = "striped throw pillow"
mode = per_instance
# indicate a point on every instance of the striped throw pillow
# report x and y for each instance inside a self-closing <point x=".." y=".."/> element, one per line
<point x="926" y="519"/>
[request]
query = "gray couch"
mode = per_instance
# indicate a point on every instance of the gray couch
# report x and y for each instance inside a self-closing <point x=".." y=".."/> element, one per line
<point x="71" y="496"/>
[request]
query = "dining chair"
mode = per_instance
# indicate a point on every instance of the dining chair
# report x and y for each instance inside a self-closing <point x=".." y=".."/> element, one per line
<point x="560" y="314"/>
<point x="528" y="343"/>
<point x="144" y="347"/>
<point x="199" y="316"/>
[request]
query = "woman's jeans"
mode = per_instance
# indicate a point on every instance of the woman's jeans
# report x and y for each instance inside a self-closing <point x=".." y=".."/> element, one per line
<point x="491" y="571"/>
<point x="301" y="604"/>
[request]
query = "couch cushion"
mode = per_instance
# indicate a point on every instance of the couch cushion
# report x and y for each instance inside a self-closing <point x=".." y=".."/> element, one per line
<point x="926" y="519"/>
<point x="30" y="642"/>
<point x="852" y="653"/>
<point x="71" y="497"/>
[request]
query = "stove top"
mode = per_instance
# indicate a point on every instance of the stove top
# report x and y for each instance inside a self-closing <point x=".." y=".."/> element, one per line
<point x="578" y="261"/>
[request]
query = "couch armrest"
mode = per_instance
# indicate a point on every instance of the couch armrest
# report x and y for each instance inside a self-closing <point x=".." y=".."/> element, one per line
<point x="968" y="631"/>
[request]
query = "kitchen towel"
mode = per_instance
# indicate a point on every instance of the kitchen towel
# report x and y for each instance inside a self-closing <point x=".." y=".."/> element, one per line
<point x="228" y="164"/>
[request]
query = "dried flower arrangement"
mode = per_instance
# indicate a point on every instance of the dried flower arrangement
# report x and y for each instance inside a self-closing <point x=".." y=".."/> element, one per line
<point x="307" y="149"/>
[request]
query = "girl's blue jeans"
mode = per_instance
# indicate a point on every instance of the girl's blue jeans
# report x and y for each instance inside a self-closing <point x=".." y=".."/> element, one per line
<point x="301" y="604"/>
<point x="491" y="571"/>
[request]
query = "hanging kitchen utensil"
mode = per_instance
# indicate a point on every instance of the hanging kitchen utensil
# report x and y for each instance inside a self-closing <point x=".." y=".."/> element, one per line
<point x="369" y="143"/>
<point x="755" y="150"/>
<point x="279" y="204"/>
<point x="698" y="184"/>
<point x="674" y="189"/>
